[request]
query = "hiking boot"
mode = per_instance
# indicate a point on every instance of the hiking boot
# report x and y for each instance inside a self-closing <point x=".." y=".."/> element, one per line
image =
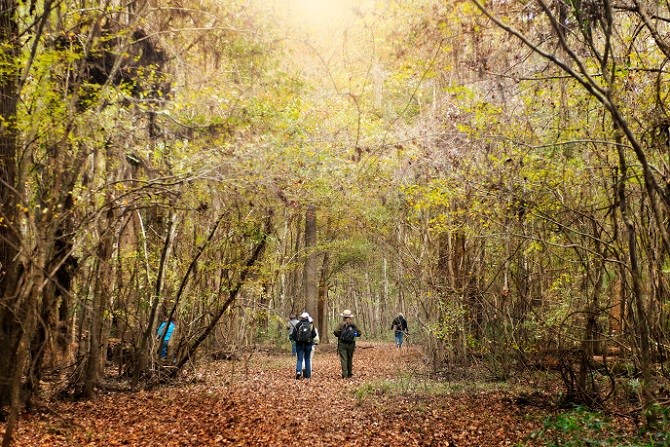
<point x="298" y="376"/>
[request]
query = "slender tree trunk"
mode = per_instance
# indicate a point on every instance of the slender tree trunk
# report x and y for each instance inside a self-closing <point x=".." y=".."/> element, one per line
<point x="310" y="275"/>
<point x="254" y="257"/>
<point x="101" y="291"/>
<point x="10" y="267"/>
<point x="141" y="354"/>
<point x="399" y="272"/>
<point x="384" y="311"/>
<point x="295" y="286"/>
<point x="587" y="392"/>
<point x="27" y="312"/>
<point x="323" y="299"/>
<point x="640" y="324"/>
<point x="53" y="321"/>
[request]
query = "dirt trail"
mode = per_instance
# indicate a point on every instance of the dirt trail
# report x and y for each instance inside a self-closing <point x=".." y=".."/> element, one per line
<point x="263" y="405"/>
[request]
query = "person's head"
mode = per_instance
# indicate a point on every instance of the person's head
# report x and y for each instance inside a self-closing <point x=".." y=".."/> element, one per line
<point x="304" y="316"/>
<point x="292" y="317"/>
<point x="400" y="315"/>
<point x="346" y="314"/>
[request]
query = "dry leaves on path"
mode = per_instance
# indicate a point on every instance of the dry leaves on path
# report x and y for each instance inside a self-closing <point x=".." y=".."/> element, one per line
<point x="262" y="405"/>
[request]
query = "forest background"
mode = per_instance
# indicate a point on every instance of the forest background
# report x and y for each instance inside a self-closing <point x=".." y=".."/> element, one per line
<point x="498" y="172"/>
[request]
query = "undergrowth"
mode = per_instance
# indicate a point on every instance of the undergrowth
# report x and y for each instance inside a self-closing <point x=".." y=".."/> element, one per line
<point x="581" y="427"/>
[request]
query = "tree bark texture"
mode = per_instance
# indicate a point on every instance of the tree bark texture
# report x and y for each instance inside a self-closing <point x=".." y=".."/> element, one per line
<point x="12" y="306"/>
<point x="310" y="273"/>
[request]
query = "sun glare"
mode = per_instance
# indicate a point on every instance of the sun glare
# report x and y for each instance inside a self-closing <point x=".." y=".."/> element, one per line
<point x="321" y="13"/>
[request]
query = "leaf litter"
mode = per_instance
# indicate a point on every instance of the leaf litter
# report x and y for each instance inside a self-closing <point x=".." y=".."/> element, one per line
<point x="388" y="402"/>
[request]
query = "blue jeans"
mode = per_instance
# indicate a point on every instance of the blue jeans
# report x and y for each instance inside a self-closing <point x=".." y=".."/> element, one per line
<point x="164" y="349"/>
<point x="304" y="352"/>
<point x="398" y="338"/>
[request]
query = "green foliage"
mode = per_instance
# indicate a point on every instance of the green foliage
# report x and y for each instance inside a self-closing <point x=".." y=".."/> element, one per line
<point x="450" y="322"/>
<point x="657" y="432"/>
<point x="581" y="427"/>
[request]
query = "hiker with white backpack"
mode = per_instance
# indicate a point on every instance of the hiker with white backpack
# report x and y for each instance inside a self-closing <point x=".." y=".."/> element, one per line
<point x="304" y="335"/>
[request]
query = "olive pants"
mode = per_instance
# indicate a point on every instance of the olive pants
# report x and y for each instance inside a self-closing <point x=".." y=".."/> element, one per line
<point x="346" y="353"/>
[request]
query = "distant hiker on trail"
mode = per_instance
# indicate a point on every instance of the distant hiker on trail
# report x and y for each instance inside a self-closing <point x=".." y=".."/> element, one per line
<point x="346" y="334"/>
<point x="164" y="333"/>
<point x="399" y="325"/>
<point x="292" y="321"/>
<point x="304" y="334"/>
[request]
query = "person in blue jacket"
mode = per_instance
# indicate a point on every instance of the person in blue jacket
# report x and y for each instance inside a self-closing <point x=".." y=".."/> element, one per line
<point x="164" y="333"/>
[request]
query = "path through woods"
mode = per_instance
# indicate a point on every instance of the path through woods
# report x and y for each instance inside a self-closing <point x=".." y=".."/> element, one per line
<point x="388" y="403"/>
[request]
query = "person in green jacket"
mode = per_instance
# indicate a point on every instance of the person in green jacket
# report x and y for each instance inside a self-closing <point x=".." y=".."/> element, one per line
<point x="346" y="334"/>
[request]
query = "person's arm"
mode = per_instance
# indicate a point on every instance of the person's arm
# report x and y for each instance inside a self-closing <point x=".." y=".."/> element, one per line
<point x="338" y="331"/>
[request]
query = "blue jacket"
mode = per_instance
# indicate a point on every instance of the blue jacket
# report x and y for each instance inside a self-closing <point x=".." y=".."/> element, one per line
<point x="161" y="329"/>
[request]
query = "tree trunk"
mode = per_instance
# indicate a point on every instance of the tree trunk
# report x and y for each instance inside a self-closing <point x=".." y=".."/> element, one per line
<point x="294" y="287"/>
<point x="10" y="268"/>
<point x="310" y="273"/>
<point x="53" y="321"/>
<point x="101" y="290"/>
<point x="323" y="299"/>
<point x="254" y="257"/>
<point x="141" y="355"/>
<point x="20" y="355"/>
<point x="588" y="392"/>
<point x="640" y="324"/>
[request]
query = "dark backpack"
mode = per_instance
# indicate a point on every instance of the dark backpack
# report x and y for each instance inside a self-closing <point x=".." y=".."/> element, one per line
<point x="303" y="332"/>
<point x="348" y="333"/>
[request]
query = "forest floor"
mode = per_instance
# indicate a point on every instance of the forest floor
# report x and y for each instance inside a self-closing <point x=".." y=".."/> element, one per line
<point x="390" y="401"/>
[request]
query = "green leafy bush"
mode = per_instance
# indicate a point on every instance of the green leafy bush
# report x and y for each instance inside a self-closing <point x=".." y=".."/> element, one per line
<point x="582" y="427"/>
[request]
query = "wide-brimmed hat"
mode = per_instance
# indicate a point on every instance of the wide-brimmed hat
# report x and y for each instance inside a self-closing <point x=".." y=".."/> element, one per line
<point x="304" y="316"/>
<point x="346" y="314"/>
